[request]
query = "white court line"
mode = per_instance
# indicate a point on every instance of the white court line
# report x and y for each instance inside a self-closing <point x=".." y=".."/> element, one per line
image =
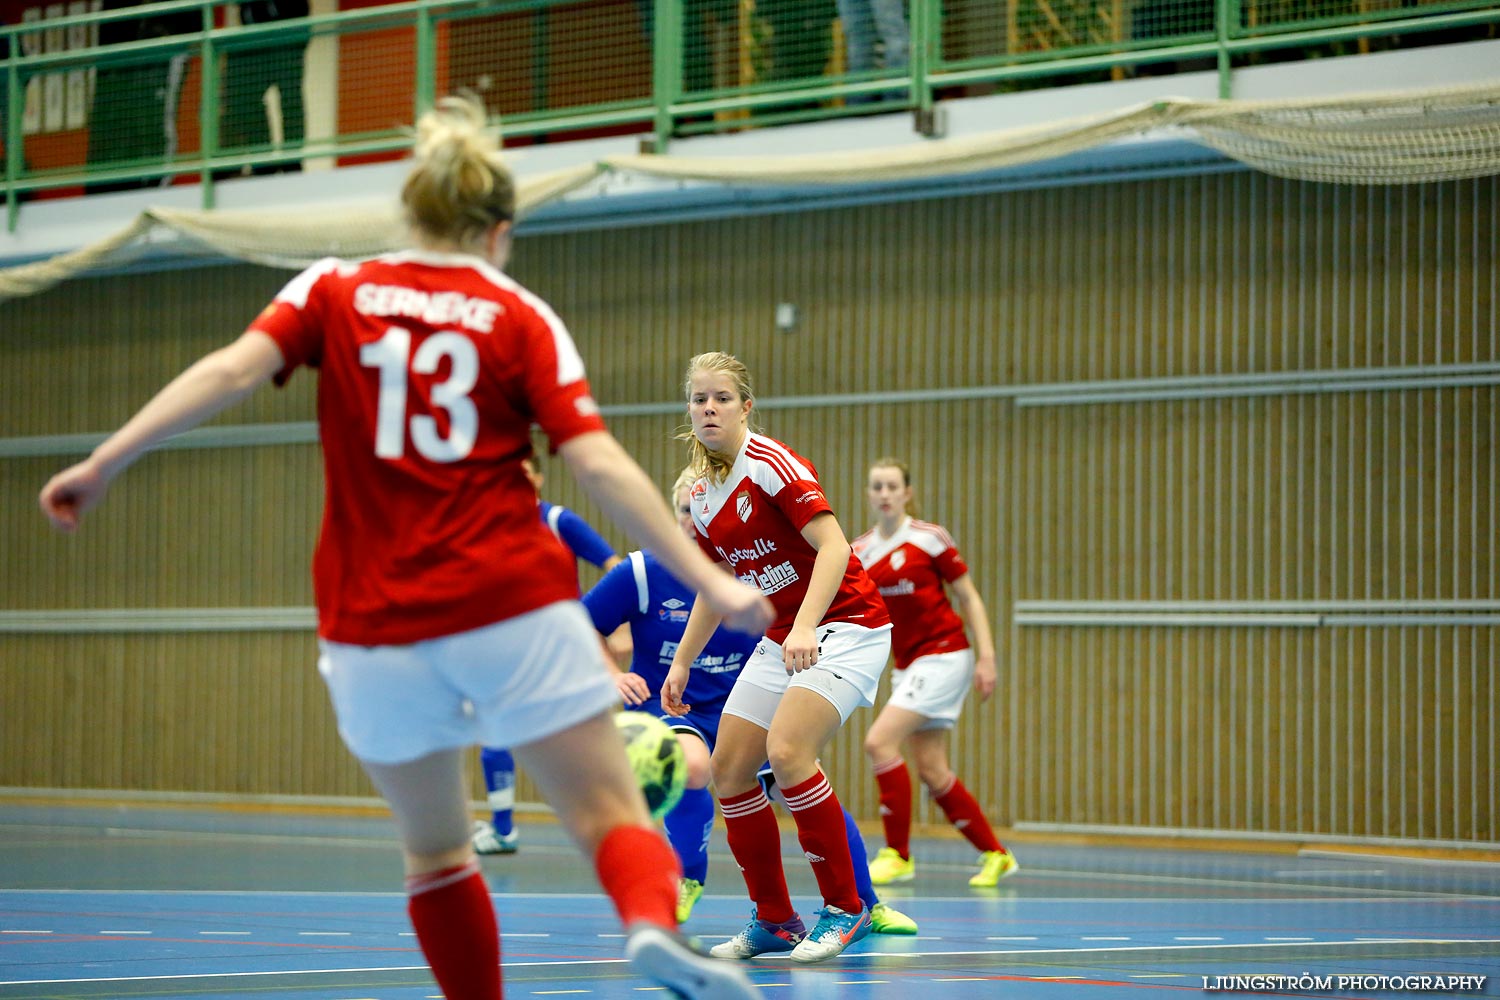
<point x="1289" y="939"/>
<point x="26" y="932"/>
<point x="122" y="932"/>
<point x="846" y="955"/>
<point x="1395" y="859"/>
<point x="1387" y="896"/>
<point x="1209" y="881"/>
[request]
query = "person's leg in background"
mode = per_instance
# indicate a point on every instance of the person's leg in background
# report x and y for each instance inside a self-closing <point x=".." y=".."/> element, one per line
<point x="448" y="900"/>
<point x="499" y="835"/>
<point x="285" y="66"/>
<point x="690" y="824"/>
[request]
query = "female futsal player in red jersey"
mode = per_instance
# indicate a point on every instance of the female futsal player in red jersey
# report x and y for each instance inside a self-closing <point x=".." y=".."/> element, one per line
<point x="911" y="561"/>
<point x="447" y="614"/>
<point x="759" y="510"/>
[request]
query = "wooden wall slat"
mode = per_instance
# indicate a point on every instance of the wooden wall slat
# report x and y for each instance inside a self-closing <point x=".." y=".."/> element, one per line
<point x="1350" y="731"/>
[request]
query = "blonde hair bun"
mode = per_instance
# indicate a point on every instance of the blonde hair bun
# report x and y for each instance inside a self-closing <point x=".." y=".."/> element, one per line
<point x="459" y="186"/>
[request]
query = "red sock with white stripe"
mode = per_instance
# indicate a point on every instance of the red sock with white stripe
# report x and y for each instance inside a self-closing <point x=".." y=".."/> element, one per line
<point x="755" y="842"/>
<point x="963" y="811"/>
<point x="639" y="871"/>
<point x="825" y="840"/>
<point x="894" y="781"/>
<point x="456" y="927"/>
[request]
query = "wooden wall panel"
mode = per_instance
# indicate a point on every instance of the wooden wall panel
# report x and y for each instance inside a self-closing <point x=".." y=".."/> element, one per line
<point x="1326" y="495"/>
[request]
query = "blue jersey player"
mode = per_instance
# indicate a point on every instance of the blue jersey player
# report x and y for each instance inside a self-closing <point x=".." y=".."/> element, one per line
<point x="499" y="835"/>
<point x="640" y="593"/>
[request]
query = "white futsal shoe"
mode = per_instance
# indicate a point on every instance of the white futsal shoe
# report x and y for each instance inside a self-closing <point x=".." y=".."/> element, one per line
<point x="667" y="958"/>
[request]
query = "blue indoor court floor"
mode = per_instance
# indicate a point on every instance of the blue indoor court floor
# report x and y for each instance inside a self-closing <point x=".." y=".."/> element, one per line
<point x="200" y="903"/>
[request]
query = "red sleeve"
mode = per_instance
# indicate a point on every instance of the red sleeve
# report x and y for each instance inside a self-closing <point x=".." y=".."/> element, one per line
<point x="951" y="565"/>
<point x="554" y="381"/>
<point x="292" y="320"/>
<point x="800" y="500"/>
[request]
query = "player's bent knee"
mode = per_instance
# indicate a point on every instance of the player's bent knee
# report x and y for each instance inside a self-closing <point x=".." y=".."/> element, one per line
<point x="732" y="775"/>
<point x="791" y="758"/>
<point x="696" y="756"/>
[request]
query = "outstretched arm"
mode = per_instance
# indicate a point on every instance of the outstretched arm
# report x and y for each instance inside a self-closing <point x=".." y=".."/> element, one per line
<point x="212" y="384"/>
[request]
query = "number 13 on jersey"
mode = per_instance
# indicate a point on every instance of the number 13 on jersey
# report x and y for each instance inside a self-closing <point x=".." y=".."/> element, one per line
<point x="392" y="356"/>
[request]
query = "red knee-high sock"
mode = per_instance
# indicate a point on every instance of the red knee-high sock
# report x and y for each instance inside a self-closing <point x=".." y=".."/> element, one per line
<point x="825" y="840"/>
<point x="455" y="924"/>
<point x="895" y="804"/>
<point x="639" y="871"/>
<point x="963" y="811"/>
<point x="755" y="842"/>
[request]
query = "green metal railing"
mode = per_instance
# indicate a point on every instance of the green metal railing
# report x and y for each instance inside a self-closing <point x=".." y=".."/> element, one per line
<point x="164" y="91"/>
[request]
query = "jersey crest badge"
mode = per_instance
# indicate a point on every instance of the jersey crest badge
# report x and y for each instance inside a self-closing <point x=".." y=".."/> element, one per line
<point x="742" y="505"/>
<point x="898" y="559"/>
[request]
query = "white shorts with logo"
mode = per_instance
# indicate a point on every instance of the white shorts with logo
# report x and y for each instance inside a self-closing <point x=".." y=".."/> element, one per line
<point x="851" y="659"/>
<point x="935" y="686"/>
<point x="504" y="685"/>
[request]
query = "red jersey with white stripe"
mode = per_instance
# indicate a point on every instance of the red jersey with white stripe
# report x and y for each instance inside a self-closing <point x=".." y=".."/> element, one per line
<point x="432" y="369"/>
<point x="753" y="520"/>
<point x="910" y="568"/>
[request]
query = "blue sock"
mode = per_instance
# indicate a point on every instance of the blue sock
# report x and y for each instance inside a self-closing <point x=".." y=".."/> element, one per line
<point x="689" y="825"/>
<point x="500" y="781"/>
<point x="861" y="863"/>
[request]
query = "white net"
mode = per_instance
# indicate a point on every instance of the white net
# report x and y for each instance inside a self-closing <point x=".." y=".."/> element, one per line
<point x="1407" y="138"/>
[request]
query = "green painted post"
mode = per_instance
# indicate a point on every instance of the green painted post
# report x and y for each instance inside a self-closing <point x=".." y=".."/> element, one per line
<point x="208" y="109"/>
<point x="426" y="82"/>
<point x="926" y="29"/>
<point x="667" y="58"/>
<point x="14" y="154"/>
<point x="1224" y="11"/>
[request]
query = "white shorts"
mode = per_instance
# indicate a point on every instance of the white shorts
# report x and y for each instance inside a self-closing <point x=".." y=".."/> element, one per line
<point x="851" y="659"/>
<point x="935" y="686"/>
<point x="502" y="685"/>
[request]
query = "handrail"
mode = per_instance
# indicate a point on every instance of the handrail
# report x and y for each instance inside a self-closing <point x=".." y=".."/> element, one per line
<point x="666" y="109"/>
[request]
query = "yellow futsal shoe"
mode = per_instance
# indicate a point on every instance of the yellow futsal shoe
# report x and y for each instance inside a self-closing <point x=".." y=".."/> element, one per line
<point x="889" y="866"/>
<point x="886" y="919"/>
<point x="688" y="891"/>
<point x="993" y="866"/>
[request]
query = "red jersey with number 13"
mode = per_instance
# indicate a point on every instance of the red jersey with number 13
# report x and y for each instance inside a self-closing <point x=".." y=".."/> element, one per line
<point x="432" y="369"/>
<point x="753" y="520"/>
